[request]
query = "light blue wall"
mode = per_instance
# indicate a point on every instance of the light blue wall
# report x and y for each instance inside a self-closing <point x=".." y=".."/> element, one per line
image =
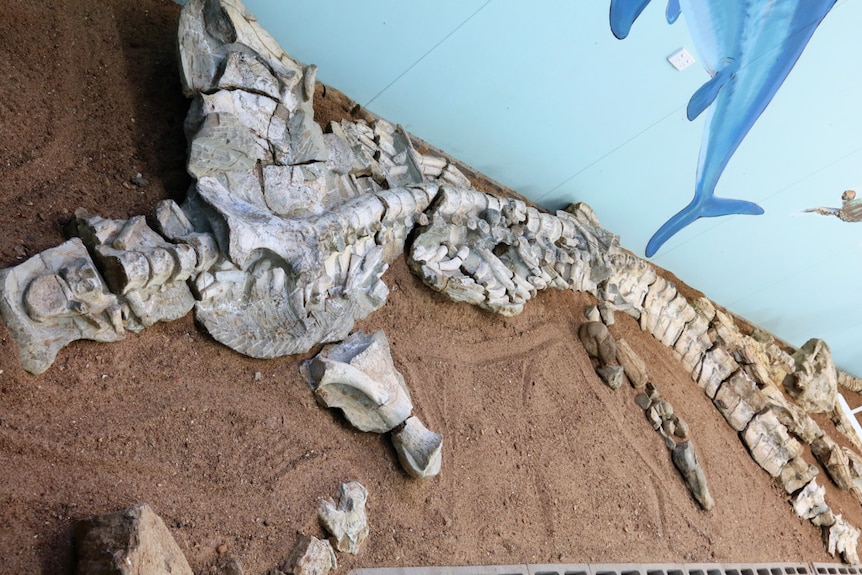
<point x="542" y="98"/>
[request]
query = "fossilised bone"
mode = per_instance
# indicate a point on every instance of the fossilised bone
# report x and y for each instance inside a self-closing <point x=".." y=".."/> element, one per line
<point x="147" y="272"/>
<point x="358" y="377"/>
<point x="769" y="443"/>
<point x="55" y="298"/>
<point x="834" y="459"/>
<point x="346" y="520"/>
<point x="306" y="241"/>
<point x="814" y="382"/>
<point x="497" y="253"/>
<point x="810" y="504"/>
<point x="419" y="450"/>
<point x="796" y="474"/>
<point x="843" y="538"/>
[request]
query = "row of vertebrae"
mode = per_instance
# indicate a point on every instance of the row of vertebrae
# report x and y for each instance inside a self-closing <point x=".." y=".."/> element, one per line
<point x="498" y="253"/>
<point x="307" y="222"/>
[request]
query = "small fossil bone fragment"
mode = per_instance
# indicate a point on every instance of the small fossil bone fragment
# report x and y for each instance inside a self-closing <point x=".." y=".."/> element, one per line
<point x="419" y="449"/>
<point x="346" y="520"/>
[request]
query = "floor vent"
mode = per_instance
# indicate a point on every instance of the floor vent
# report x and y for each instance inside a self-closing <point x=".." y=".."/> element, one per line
<point x="625" y="569"/>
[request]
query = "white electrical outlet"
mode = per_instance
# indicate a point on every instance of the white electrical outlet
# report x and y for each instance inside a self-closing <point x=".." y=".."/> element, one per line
<point x="681" y="59"/>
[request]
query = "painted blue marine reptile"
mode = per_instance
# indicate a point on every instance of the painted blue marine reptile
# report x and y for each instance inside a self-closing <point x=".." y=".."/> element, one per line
<point x="749" y="48"/>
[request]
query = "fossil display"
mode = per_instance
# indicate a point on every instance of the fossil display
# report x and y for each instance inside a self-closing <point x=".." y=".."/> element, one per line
<point x="283" y="239"/>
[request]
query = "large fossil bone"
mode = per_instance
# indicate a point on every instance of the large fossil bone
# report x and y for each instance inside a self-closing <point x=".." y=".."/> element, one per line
<point x="358" y="377"/>
<point x="54" y="298"/>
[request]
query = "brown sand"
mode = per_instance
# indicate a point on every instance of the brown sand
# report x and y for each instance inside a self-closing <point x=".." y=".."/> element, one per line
<point x="542" y="462"/>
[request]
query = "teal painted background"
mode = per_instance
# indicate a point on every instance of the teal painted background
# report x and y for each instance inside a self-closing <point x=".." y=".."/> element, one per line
<point x="544" y="99"/>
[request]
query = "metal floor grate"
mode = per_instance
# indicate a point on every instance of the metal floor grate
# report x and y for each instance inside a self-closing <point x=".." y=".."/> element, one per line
<point x="625" y="569"/>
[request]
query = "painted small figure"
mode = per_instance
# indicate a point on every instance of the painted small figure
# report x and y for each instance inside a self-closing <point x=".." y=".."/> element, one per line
<point x="850" y="210"/>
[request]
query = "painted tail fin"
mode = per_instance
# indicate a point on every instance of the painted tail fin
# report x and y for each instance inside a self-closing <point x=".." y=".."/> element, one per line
<point x="711" y="208"/>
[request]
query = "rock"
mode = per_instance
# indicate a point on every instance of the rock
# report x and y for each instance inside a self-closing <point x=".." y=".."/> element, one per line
<point x="133" y="541"/>
<point x="685" y="460"/>
<point x="139" y="180"/>
<point x="843" y="538"/>
<point x="310" y="556"/>
<point x="769" y="443"/>
<point x="591" y="312"/>
<point x="346" y="520"/>
<point x="359" y="377"/>
<point x="612" y="375"/>
<point x="419" y="450"/>
<point x="55" y="298"/>
<point x="643" y="401"/>
<point x="814" y="381"/>
<point x="230" y="567"/>
<point x="598" y="342"/>
<point x="796" y="474"/>
<point x="606" y="312"/>
<point x="680" y="428"/>
<point x="634" y="366"/>
<point x="659" y="412"/>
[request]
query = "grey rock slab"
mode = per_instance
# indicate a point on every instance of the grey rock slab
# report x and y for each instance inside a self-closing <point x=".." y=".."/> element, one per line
<point x="685" y="460"/>
<point x="598" y="342"/>
<point x="134" y="541"/>
<point x="612" y="375"/>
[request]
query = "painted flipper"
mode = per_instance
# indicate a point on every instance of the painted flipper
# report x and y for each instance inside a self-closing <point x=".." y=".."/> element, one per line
<point x="673" y="11"/>
<point x="695" y="210"/>
<point x="823" y="211"/>
<point x="706" y="94"/>
<point x="623" y="15"/>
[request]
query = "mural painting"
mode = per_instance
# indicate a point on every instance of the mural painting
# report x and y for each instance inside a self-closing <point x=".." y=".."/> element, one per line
<point x="850" y="210"/>
<point x="748" y="48"/>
